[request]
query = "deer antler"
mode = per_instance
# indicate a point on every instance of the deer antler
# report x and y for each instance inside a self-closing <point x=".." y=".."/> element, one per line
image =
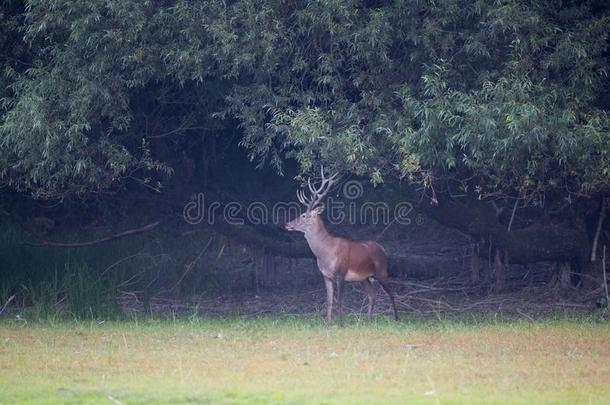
<point x="317" y="194"/>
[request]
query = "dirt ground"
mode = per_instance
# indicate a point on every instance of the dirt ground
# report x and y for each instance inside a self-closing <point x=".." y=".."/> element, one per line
<point x="530" y="298"/>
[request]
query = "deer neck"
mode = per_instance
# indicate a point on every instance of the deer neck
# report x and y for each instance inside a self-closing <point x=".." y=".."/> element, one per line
<point x="320" y="241"/>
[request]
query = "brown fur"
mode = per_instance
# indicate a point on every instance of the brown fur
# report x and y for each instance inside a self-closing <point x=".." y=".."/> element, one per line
<point x="340" y="260"/>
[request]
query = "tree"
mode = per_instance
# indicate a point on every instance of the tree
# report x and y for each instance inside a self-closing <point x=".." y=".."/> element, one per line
<point x="502" y="102"/>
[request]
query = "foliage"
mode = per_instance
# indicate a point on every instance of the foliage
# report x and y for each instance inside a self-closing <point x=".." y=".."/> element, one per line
<point x="88" y="283"/>
<point x="503" y="97"/>
<point x="507" y="97"/>
<point x="76" y="292"/>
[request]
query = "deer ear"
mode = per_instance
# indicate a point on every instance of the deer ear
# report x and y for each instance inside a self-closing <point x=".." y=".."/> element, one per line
<point x="318" y="210"/>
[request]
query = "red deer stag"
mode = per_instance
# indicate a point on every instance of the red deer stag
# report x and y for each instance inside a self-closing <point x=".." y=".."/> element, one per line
<point x="340" y="259"/>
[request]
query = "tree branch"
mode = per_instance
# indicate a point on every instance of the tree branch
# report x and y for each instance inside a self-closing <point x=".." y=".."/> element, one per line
<point x="105" y="239"/>
<point x="512" y="216"/>
<point x="600" y="222"/>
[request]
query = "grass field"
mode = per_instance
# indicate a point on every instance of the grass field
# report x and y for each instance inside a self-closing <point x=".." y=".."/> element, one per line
<point x="297" y="360"/>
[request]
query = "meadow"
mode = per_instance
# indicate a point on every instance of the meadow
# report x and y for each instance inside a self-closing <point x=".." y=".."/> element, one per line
<point x="297" y="360"/>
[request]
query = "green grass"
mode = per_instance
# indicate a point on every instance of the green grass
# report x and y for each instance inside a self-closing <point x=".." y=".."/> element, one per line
<point x="297" y="360"/>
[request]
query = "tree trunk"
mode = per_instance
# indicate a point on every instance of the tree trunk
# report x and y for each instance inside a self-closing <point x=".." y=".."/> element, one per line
<point x="499" y="272"/>
<point x="537" y="243"/>
<point x="565" y="276"/>
<point x="475" y="265"/>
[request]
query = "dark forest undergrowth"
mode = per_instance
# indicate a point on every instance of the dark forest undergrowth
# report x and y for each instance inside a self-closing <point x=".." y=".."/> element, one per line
<point x="201" y="273"/>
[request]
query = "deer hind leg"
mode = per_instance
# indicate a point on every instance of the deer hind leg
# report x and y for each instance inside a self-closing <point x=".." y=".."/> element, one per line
<point x="329" y="299"/>
<point x="385" y="285"/>
<point x="370" y="291"/>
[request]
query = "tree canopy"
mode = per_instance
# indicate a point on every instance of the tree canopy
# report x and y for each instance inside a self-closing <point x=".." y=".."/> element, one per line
<point x="502" y="97"/>
<point x="498" y="101"/>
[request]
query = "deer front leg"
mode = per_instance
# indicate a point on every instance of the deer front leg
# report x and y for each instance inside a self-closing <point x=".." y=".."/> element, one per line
<point x="329" y="299"/>
<point x="340" y="299"/>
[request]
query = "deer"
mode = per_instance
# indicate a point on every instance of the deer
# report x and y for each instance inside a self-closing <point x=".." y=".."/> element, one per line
<point x="339" y="259"/>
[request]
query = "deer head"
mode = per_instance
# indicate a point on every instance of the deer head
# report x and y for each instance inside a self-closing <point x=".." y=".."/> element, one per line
<point x="313" y="203"/>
